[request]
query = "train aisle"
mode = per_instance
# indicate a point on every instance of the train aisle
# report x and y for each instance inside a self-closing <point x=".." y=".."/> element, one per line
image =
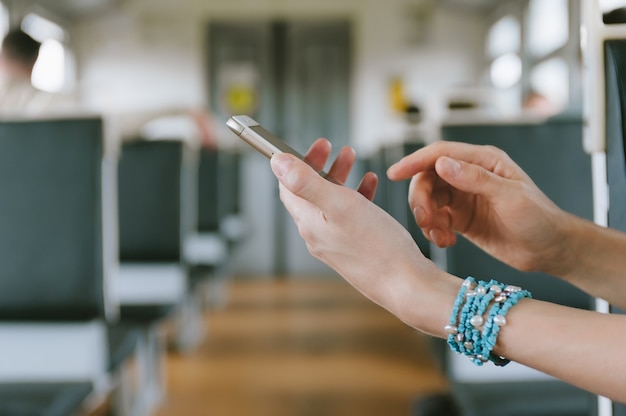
<point x="299" y="348"/>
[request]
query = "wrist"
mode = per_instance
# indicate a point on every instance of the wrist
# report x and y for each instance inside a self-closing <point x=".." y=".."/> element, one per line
<point x="427" y="299"/>
<point x="569" y="251"/>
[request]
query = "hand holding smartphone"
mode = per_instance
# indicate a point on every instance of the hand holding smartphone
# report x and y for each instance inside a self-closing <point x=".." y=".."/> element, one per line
<point x="262" y="140"/>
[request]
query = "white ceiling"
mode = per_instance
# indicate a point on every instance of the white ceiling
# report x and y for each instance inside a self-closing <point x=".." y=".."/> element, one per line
<point x="77" y="8"/>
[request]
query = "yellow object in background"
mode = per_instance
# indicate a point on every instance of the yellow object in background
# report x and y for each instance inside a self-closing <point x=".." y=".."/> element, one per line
<point x="396" y="95"/>
<point x="241" y="99"/>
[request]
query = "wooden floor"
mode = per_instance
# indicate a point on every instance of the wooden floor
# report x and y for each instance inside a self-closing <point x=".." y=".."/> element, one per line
<point x="300" y="348"/>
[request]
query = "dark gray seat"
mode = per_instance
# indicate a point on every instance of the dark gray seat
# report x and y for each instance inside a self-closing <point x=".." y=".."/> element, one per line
<point x="42" y="399"/>
<point x="536" y="398"/>
<point x="220" y="225"/>
<point x="157" y="204"/>
<point x="551" y="153"/>
<point x="396" y="193"/>
<point x="51" y="222"/>
<point x="149" y="187"/>
<point x="51" y="263"/>
<point x="151" y="228"/>
<point x="615" y="72"/>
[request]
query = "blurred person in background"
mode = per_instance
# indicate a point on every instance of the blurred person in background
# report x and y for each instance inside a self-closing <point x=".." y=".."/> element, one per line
<point x="18" y="96"/>
<point x="17" y="59"/>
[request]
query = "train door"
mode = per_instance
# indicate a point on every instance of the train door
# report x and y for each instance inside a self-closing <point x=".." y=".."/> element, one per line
<point x="294" y="77"/>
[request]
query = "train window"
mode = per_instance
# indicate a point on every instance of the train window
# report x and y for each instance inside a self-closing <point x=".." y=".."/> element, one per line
<point x="503" y="45"/>
<point x="504" y="37"/>
<point x="532" y="48"/>
<point x="506" y="70"/>
<point x="52" y="68"/>
<point x="49" y="71"/>
<point x="551" y="79"/>
<point x="548" y="26"/>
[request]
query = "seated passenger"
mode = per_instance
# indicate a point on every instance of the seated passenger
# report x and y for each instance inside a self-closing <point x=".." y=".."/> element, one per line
<point x="18" y="96"/>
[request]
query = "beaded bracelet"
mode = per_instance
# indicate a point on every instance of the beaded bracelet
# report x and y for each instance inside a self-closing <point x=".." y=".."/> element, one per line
<point x="453" y="326"/>
<point x="509" y="297"/>
<point x="472" y="333"/>
<point x="473" y="340"/>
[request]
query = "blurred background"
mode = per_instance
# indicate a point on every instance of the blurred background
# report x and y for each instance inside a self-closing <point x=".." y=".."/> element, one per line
<point x="205" y="299"/>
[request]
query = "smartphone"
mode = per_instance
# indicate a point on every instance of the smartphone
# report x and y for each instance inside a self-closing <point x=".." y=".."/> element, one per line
<point x="262" y="140"/>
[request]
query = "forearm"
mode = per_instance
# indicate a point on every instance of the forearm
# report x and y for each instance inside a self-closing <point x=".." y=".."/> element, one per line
<point x="594" y="260"/>
<point x="583" y="348"/>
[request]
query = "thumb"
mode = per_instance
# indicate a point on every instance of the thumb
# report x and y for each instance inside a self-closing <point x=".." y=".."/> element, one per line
<point x="469" y="178"/>
<point x="299" y="178"/>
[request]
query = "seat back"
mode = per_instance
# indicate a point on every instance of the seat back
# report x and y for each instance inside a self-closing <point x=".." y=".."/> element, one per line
<point x="219" y="180"/>
<point x="615" y="73"/>
<point x="397" y="194"/>
<point x="552" y="155"/>
<point x="51" y="249"/>
<point x="154" y="215"/>
<point x="53" y="294"/>
<point x="615" y="128"/>
<point x="209" y="176"/>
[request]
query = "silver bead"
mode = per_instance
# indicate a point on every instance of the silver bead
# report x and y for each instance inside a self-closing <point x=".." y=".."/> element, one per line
<point x="499" y="320"/>
<point x="481" y="290"/>
<point x="469" y="345"/>
<point x="477" y="321"/>
<point x="451" y="329"/>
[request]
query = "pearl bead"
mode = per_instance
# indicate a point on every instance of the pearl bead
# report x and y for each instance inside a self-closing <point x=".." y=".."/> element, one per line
<point x="451" y="329"/>
<point x="500" y="298"/>
<point x="512" y="289"/>
<point x="467" y="284"/>
<point x="499" y="320"/>
<point x="470" y="293"/>
<point x="481" y="290"/>
<point x="495" y="289"/>
<point x="469" y="345"/>
<point x="460" y="337"/>
<point x="477" y="321"/>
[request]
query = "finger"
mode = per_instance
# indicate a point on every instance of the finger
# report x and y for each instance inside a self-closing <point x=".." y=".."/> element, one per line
<point x="300" y="179"/>
<point x="442" y="237"/>
<point x="318" y="154"/>
<point x="368" y="185"/>
<point x="471" y="178"/>
<point x="442" y="193"/>
<point x="420" y="201"/>
<point x="489" y="157"/>
<point x="340" y="170"/>
<point x="429" y="197"/>
<point x="298" y="208"/>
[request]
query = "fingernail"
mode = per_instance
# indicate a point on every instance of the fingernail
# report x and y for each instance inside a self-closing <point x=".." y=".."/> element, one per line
<point x="451" y="166"/>
<point x="436" y="236"/>
<point x="280" y="164"/>
<point x="419" y="214"/>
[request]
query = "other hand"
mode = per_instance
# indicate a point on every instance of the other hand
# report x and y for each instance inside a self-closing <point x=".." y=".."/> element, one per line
<point x="480" y="193"/>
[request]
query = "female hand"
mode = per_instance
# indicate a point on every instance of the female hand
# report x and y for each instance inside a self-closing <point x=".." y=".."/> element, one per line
<point x="480" y="193"/>
<point x="373" y="252"/>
